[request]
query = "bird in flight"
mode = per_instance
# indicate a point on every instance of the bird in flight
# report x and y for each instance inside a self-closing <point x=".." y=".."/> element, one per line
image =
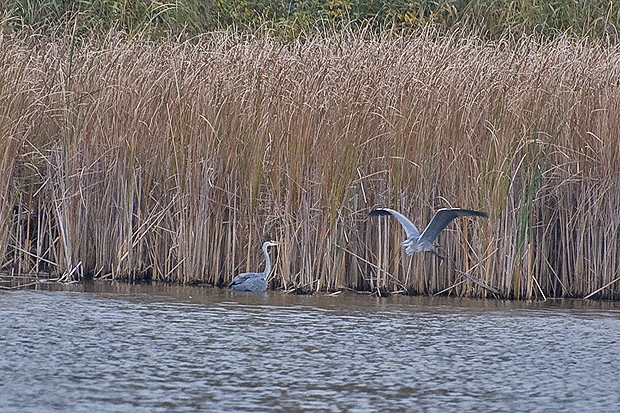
<point x="424" y="241"/>
<point x="254" y="281"/>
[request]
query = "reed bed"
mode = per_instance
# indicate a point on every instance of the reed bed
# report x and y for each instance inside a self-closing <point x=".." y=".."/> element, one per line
<point x="173" y="162"/>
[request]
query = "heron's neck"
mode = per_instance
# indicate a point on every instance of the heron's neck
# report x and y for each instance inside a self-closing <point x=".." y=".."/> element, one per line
<point x="267" y="261"/>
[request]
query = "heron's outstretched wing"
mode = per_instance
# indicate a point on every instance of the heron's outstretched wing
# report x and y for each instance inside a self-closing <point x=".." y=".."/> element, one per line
<point x="410" y="229"/>
<point x="442" y="218"/>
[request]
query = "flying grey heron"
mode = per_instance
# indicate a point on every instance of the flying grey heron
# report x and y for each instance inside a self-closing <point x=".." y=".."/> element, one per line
<point x="415" y="241"/>
<point x="254" y="281"/>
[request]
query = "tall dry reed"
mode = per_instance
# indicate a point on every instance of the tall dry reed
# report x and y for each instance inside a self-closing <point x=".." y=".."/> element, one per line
<point x="174" y="162"/>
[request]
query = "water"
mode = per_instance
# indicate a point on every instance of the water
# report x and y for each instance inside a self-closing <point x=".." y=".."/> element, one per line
<point x="110" y="347"/>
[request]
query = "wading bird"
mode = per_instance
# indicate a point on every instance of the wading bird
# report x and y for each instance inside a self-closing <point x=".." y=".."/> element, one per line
<point x="415" y="241"/>
<point x="254" y="281"/>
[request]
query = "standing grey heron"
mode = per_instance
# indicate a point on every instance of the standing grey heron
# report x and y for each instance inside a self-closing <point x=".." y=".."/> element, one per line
<point x="415" y="241"/>
<point x="254" y="281"/>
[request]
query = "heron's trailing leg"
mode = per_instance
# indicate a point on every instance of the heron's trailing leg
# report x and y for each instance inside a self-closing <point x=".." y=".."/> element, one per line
<point x="436" y="246"/>
<point x="437" y="255"/>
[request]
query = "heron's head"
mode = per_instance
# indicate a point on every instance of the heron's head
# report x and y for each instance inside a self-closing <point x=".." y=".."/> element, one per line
<point x="271" y="243"/>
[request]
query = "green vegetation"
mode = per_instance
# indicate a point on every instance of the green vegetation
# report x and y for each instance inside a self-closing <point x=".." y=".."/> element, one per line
<point x="491" y="19"/>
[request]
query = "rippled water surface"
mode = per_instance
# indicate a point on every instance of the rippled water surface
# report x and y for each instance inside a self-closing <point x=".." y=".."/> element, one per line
<point x="110" y="347"/>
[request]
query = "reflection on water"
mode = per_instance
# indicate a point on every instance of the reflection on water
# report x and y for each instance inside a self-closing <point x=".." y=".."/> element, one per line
<point x="110" y="347"/>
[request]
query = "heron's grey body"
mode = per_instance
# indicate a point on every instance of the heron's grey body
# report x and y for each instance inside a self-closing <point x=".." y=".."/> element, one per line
<point x="254" y="281"/>
<point x="417" y="242"/>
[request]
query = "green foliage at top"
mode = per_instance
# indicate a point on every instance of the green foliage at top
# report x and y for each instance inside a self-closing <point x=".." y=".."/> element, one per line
<point x="299" y="18"/>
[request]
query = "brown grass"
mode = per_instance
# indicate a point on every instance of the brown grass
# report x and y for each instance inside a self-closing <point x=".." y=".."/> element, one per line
<point x="129" y="159"/>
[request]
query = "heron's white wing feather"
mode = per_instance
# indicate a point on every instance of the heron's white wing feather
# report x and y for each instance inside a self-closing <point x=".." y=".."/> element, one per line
<point x="410" y="229"/>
